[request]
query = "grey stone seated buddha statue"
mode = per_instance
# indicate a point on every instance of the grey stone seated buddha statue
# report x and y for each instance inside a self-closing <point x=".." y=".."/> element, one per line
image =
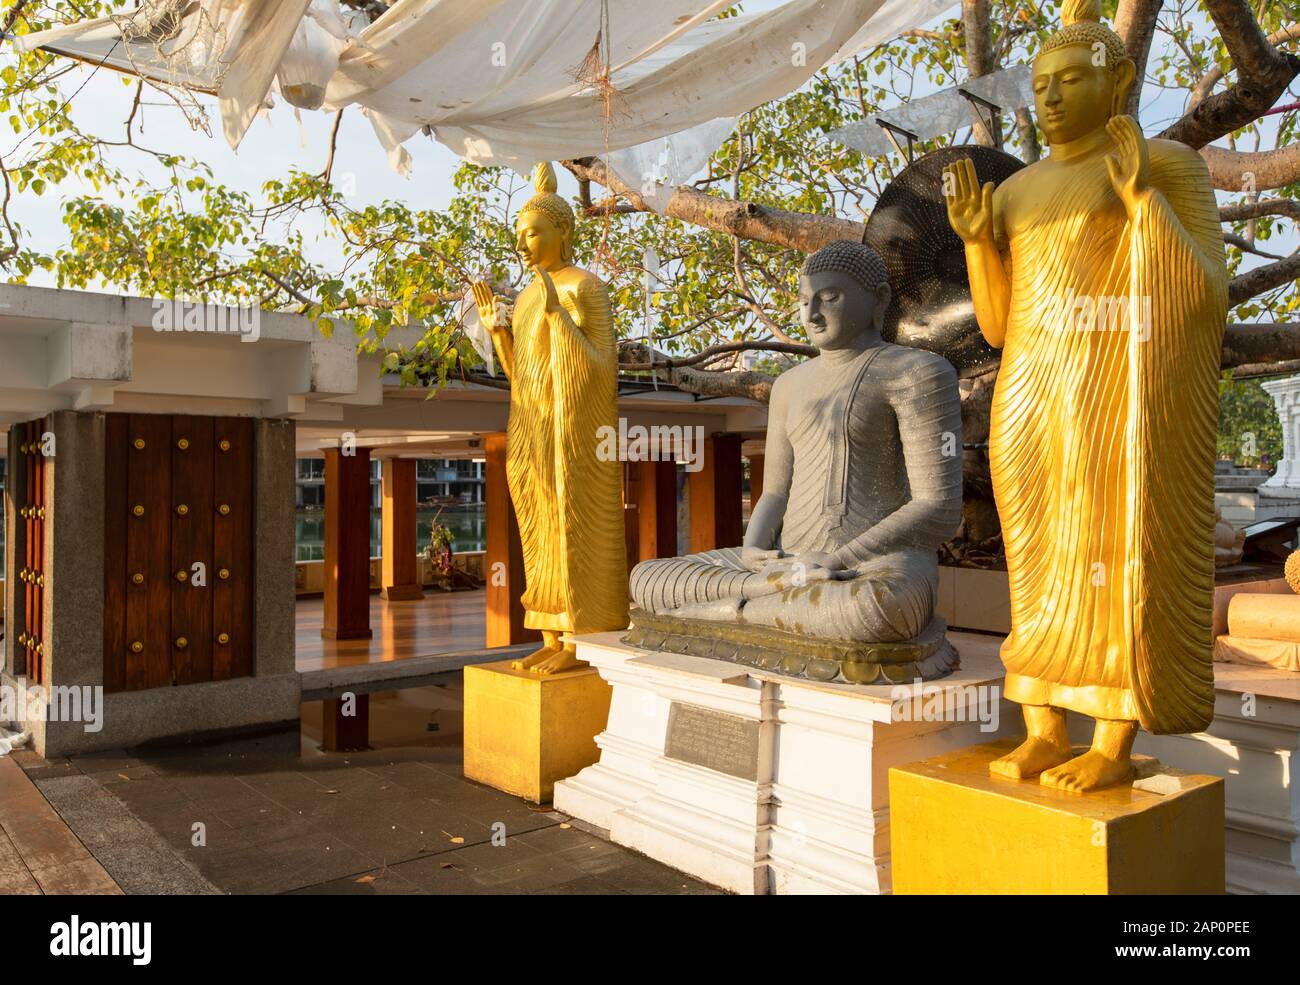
<point x="838" y="573"/>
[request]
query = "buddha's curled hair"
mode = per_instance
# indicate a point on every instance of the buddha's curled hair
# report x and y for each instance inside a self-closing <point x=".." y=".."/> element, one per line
<point x="858" y="260"/>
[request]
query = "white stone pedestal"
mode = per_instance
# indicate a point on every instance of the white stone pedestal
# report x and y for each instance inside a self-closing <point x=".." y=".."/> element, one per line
<point x="760" y="783"/>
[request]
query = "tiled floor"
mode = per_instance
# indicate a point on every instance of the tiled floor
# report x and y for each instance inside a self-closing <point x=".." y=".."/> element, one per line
<point x="39" y="852"/>
<point x="441" y="622"/>
<point x="279" y="816"/>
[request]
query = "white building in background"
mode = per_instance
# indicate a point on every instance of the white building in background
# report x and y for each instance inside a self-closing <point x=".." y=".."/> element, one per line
<point x="1285" y="482"/>
<point x="1245" y="496"/>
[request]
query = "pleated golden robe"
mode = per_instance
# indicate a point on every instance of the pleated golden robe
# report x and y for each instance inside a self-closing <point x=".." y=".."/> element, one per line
<point x="1102" y="448"/>
<point x="563" y="388"/>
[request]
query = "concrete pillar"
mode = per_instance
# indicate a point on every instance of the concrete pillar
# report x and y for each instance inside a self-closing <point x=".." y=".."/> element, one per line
<point x="15" y="497"/>
<point x="716" y="492"/>
<point x="347" y="545"/>
<point x="399" y="579"/>
<point x="274" y="601"/>
<point x="503" y="555"/>
<point x="74" y="565"/>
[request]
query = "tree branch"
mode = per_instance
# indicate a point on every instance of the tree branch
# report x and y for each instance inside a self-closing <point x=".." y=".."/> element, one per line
<point x="641" y="358"/>
<point x="1250" y="343"/>
<point x="1135" y="23"/>
<point x="1251" y="171"/>
<point x="792" y="230"/>
<point x="978" y="40"/>
<point x="1248" y="246"/>
<point x="1243" y="211"/>
<point x="1205" y="85"/>
<point x="1263" y="74"/>
<point x="1245" y="286"/>
<point x="1252" y="370"/>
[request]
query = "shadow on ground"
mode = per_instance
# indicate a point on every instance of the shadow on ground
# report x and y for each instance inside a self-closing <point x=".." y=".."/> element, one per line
<point x="278" y="815"/>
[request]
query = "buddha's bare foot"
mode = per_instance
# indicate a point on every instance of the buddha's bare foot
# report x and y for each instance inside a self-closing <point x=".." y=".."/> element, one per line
<point x="1030" y="758"/>
<point x="1107" y="762"/>
<point x="535" y="658"/>
<point x="1048" y="745"/>
<point x="565" y="659"/>
<point x="1091" y="771"/>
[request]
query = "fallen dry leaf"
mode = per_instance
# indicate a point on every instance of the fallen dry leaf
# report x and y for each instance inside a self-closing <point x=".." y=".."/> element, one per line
<point x="366" y="879"/>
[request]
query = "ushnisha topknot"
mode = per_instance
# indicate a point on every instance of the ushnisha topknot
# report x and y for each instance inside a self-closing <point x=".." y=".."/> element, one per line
<point x="551" y="205"/>
<point x="1081" y="24"/>
<point x="858" y="260"/>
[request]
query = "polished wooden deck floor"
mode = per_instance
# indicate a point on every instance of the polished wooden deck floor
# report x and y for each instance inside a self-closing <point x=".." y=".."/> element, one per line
<point x="441" y="622"/>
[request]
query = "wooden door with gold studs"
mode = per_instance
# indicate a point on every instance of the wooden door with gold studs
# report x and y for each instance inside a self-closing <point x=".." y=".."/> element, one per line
<point x="178" y="550"/>
<point x="29" y="482"/>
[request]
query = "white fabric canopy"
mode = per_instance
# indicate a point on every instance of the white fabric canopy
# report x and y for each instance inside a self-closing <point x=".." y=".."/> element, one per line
<point x="495" y="80"/>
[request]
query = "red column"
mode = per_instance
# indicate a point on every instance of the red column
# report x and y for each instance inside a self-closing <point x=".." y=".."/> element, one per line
<point x="347" y="545"/>
<point x="655" y="489"/>
<point x="504" y="556"/>
<point x="716" y="492"/>
<point x="399" y="574"/>
<point x="345" y="733"/>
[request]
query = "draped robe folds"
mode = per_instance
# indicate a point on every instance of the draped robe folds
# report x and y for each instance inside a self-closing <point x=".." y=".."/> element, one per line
<point x="562" y="368"/>
<point x="1102" y="446"/>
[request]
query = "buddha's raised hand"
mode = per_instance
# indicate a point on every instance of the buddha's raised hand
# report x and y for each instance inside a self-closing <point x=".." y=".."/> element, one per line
<point x="486" y="303"/>
<point x="970" y="207"/>
<point x="548" y="289"/>
<point x="1129" y="163"/>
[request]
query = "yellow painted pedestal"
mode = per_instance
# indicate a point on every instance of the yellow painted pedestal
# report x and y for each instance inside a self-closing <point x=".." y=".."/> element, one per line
<point x="524" y="731"/>
<point x="955" y="829"/>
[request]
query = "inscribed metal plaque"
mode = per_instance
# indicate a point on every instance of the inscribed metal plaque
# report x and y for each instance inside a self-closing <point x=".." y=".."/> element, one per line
<point x="713" y="739"/>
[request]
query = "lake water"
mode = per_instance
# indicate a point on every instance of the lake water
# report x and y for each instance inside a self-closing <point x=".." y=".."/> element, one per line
<point x="466" y="523"/>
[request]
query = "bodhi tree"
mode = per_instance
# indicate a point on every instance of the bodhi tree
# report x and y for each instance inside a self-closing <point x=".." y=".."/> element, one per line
<point x="705" y="291"/>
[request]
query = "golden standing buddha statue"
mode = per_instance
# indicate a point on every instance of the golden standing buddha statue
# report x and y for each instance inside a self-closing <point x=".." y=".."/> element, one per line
<point x="1102" y="435"/>
<point x="558" y="353"/>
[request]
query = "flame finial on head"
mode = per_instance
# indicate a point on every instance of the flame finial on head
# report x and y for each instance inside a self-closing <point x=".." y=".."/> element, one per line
<point x="1081" y="24"/>
<point x="1076" y="11"/>
<point x="544" y="181"/>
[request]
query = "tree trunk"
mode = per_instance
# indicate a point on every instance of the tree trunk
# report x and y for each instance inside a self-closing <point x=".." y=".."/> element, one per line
<point x="1135" y="23"/>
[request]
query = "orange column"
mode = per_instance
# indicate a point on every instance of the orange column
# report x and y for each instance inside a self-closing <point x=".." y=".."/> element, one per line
<point x="655" y="488"/>
<point x="347" y="545"/>
<point x="716" y="493"/>
<point x="504" y="556"/>
<point x="399" y="579"/>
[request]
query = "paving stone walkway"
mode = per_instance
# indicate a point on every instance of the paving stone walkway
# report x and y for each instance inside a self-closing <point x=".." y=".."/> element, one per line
<point x="39" y="853"/>
<point x="274" y="816"/>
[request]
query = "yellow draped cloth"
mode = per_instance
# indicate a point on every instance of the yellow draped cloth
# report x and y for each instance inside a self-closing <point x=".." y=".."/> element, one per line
<point x="1102" y="448"/>
<point x="563" y="388"/>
